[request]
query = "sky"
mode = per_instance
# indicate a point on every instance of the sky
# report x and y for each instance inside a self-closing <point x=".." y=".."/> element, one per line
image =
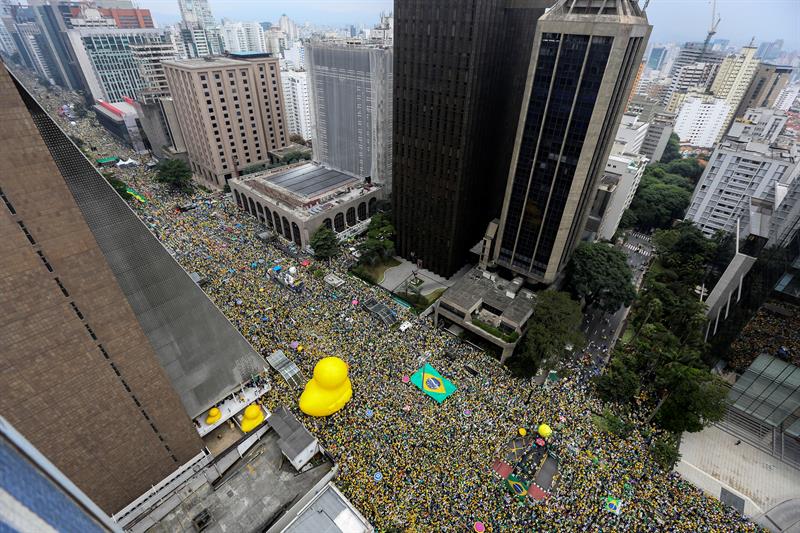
<point x="672" y="20"/>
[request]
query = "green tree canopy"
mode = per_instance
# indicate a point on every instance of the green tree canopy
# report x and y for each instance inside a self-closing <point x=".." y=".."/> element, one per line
<point x="599" y="275"/>
<point x="175" y="173"/>
<point x="325" y="243"/>
<point x="673" y="149"/>
<point x="554" y="325"/>
<point x="656" y="204"/>
<point x="379" y="244"/>
<point x="688" y="168"/>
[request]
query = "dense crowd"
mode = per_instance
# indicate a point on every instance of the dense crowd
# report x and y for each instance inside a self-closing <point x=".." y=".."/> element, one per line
<point x="774" y="330"/>
<point x="434" y="460"/>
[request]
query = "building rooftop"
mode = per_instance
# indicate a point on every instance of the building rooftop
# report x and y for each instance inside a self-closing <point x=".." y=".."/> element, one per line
<point x="253" y="494"/>
<point x="310" y="180"/>
<point x="476" y="289"/>
<point x="205" y="63"/>
<point x="329" y="512"/>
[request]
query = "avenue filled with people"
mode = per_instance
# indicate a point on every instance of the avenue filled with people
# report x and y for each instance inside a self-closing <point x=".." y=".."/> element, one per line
<point x="406" y="462"/>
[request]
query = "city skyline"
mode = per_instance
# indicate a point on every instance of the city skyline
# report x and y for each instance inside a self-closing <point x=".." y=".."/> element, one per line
<point x="741" y="20"/>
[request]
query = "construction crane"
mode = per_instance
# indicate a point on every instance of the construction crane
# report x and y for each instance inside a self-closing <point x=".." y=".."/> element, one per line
<point x="712" y="30"/>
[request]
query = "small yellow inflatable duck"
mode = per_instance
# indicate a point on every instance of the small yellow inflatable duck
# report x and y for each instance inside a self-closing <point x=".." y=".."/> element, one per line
<point x="214" y="415"/>
<point x="328" y="390"/>
<point x="253" y="416"/>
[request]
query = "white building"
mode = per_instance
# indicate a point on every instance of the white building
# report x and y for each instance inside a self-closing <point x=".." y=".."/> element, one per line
<point x="760" y="123"/>
<point x="702" y="119"/>
<point x="296" y="101"/>
<point x="289" y="27"/>
<point x="243" y="37"/>
<point x="739" y="170"/>
<point x="631" y="134"/>
<point x="196" y="13"/>
<point x="618" y="186"/>
<point x="787" y="97"/>
<point x="295" y="56"/>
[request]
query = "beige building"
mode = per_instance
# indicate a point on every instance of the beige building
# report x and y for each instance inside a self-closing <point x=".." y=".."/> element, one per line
<point x="733" y="79"/>
<point x="767" y="84"/>
<point x="230" y="110"/>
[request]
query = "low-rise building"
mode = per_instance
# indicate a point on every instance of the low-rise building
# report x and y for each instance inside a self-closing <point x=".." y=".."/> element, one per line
<point x="122" y="121"/>
<point x="617" y="188"/>
<point x="493" y="308"/>
<point x="297" y="200"/>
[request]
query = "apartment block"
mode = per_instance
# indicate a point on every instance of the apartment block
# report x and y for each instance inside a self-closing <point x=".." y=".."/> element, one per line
<point x="766" y="86"/>
<point x="231" y="112"/>
<point x="298" y="106"/>
<point x="702" y="119"/>
<point x="659" y="130"/>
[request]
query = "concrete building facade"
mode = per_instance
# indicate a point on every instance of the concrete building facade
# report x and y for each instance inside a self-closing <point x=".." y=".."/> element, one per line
<point x="298" y="103"/>
<point x="108" y="64"/>
<point x="733" y="79"/>
<point x="766" y="86"/>
<point x="105" y="383"/>
<point x="351" y="105"/>
<point x="787" y="97"/>
<point x="618" y="186"/>
<point x="583" y="64"/>
<point x="230" y="111"/>
<point x="659" y="130"/>
<point x="702" y="119"/>
<point x="738" y="170"/>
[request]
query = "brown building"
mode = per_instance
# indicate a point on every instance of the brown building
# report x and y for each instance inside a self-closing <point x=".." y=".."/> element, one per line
<point x="767" y="84"/>
<point x="230" y="110"/>
<point x="108" y="348"/>
<point x="130" y="18"/>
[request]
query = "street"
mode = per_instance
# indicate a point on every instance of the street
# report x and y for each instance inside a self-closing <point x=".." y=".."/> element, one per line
<point x="601" y="329"/>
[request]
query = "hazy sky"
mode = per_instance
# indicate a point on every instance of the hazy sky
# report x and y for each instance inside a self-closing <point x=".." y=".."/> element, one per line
<point x="672" y="20"/>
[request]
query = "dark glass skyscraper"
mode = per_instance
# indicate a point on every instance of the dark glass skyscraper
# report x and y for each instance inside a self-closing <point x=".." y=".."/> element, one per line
<point x="586" y="53"/>
<point x="459" y="75"/>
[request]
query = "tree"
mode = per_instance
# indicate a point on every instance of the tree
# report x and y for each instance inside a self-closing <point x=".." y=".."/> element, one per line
<point x="665" y="451"/>
<point x="688" y="168"/>
<point x="297" y="139"/>
<point x="325" y="243"/>
<point x="673" y="149"/>
<point x="599" y="275"/>
<point x="379" y="244"/>
<point x="175" y="173"/>
<point x="657" y="204"/>
<point x="691" y="397"/>
<point x="620" y="382"/>
<point x="553" y="327"/>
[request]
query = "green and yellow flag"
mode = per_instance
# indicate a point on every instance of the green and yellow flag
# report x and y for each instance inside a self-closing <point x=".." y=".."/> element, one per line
<point x="429" y="381"/>
<point x="518" y="487"/>
<point x="136" y="195"/>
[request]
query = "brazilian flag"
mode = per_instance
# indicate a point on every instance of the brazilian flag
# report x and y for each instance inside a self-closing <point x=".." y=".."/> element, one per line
<point x="429" y="381"/>
<point x="136" y="195"/>
<point x="613" y="505"/>
<point x="518" y="487"/>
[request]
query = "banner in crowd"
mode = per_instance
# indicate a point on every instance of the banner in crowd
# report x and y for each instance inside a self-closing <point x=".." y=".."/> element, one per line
<point x="429" y="381"/>
<point x="517" y="486"/>
<point x="613" y="505"/>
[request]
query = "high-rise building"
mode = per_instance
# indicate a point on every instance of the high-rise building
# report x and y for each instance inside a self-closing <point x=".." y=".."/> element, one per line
<point x="289" y="27"/>
<point x="656" y="58"/>
<point x="766" y="86"/>
<point x="125" y="18"/>
<point x="696" y="76"/>
<point x="148" y="58"/>
<point x="107" y="62"/>
<point x="617" y="188"/>
<point x="460" y="72"/>
<point x="762" y="123"/>
<point x="768" y="51"/>
<point x="230" y="111"/>
<point x="702" y="120"/>
<point x="787" y="97"/>
<point x="695" y="53"/>
<point x="243" y="37"/>
<point x="201" y="42"/>
<point x="738" y="171"/>
<point x="659" y="130"/>
<point x="196" y="14"/>
<point x="298" y="107"/>
<point x="52" y="19"/>
<point x="351" y="105"/>
<point x="114" y="348"/>
<point x="733" y="79"/>
<point x="585" y="57"/>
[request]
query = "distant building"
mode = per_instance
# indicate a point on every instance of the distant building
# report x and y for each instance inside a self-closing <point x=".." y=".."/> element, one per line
<point x="766" y="86"/>
<point x="298" y="107"/>
<point x="659" y="130"/>
<point x="787" y="97"/>
<point x="559" y="160"/>
<point x="644" y="107"/>
<point x="693" y="52"/>
<point x="106" y="59"/>
<point x="289" y="27"/>
<point x="296" y="201"/>
<point x="351" y="103"/>
<point x="231" y="112"/>
<point x="733" y="79"/>
<point x="696" y="76"/>
<point x="702" y="119"/>
<point x="738" y="170"/>
<point x="656" y="58"/>
<point x="769" y="50"/>
<point x="761" y="123"/>
<point x="243" y="37"/>
<point x="196" y="14"/>
<point x="124" y="18"/>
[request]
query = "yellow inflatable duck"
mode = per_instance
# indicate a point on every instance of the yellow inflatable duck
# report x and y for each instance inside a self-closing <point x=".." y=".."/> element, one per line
<point x="214" y="415"/>
<point x="328" y="390"/>
<point x="253" y="416"/>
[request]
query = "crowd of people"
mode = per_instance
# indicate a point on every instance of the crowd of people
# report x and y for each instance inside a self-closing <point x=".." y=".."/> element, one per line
<point x="774" y="330"/>
<point x="434" y="461"/>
